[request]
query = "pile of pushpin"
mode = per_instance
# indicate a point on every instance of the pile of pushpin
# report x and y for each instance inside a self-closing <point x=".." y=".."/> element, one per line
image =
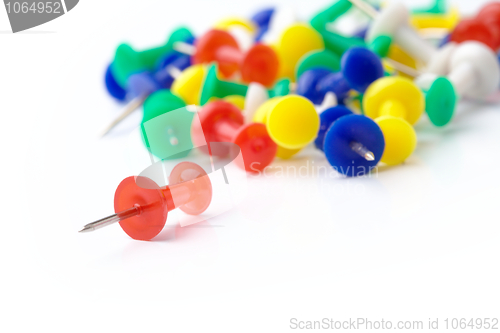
<point x="273" y="85"/>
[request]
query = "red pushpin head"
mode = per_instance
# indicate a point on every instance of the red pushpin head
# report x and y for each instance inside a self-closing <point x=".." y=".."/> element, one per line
<point x="209" y="44"/>
<point x="478" y="30"/>
<point x="260" y="64"/>
<point x="221" y="121"/>
<point x="490" y="13"/>
<point x="142" y="206"/>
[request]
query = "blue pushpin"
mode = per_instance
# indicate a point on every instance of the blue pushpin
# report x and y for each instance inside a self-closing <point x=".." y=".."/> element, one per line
<point x="359" y="68"/>
<point x="140" y="86"/>
<point x="112" y="86"/>
<point x="353" y="145"/>
<point x="307" y="85"/>
<point x="327" y="118"/>
<point x="262" y="19"/>
<point x="170" y="67"/>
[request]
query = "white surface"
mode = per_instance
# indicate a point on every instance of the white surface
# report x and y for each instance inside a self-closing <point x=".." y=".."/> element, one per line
<point x="417" y="241"/>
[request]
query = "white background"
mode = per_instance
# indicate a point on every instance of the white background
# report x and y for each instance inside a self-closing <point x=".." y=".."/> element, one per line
<point x="418" y="241"/>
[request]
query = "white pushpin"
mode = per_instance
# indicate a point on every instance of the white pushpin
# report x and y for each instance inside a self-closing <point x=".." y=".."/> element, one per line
<point x="393" y="21"/>
<point x="256" y="96"/>
<point x="474" y="72"/>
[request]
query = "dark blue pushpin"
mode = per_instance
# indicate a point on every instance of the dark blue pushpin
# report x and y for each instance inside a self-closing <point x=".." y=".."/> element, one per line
<point x="353" y="145"/>
<point x="170" y="68"/>
<point x="112" y="86"/>
<point x="359" y="68"/>
<point x="307" y="85"/>
<point x="262" y="19"/>
<point x="327" y="118"/>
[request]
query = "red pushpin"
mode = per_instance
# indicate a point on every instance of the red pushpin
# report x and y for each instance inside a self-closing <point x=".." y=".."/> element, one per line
<point x="479" y="30"/>
<point x="260" y="64"/>
<point x="142" y="206"/>
<point x="221" y="121"/>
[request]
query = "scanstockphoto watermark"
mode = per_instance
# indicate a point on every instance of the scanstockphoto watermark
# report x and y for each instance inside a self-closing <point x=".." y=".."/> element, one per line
<point x="383" y="324"/>
<point x="310" y="169"/>
<point x="354" y="324"/>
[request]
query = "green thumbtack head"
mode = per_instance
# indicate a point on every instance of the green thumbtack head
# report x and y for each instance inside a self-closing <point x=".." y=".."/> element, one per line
<point x="438" y="7"/>
<point x="128" y="61"/>
<point x="166" y="125"/>
<point x="214" y="87"/>
<point x="318" y="59"/>
<point x="440" y="101"/>
<point x="381" y="45"/>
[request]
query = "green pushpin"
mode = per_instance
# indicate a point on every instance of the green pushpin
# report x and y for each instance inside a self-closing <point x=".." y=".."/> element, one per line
<point x="318" y="59"/>
<point x="166" y="125"/>
<point x="440" y="101"/>
<point x="128" y="61"/>
<point x="214" y="87"/>
<point x="381" y="45"/>
<point x="338" y="44"/>
<point x="330" y="14"/>
<point x="281" y="88"/>
<point x="438" y="7"/>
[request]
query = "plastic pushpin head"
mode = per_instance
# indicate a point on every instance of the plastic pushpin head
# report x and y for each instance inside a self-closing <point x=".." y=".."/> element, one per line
<point x="188" y="84"/>
<point x="395" y="96"/>
<point x="214" y="87"/>
<point x="260" y="64"/>
<point x="128" y="61"/>
<point x="327" y="118"/>
<point x="336" y="83"/>
<point x="209" y="44"/>
<point x="343" y="139"/>
<point x="195" y="198"/>
<point x="440" y="101"/>
<point x="318" y="59"/>
<point x="361" y="67"/>
<point x="113" y="88"/>
<point x="293" y="44"/>
<point x="400" y="139"/>
<point x="478" y="30"/>
<point x="190" y="190"/>
<point x="166" y="136"/>
<point x="307" y="85"/>
<point x="221" y="121"/>
<point x="145" y="195"/>
<point x="490" y="13"/>
<point x="291" y="121"/>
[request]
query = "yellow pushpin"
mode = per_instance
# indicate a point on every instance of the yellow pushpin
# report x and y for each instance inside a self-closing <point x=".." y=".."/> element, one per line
<point x="293" y="43"/>
<point x="188" y="84"/>
<point x="395" y="96"/>
<point x="230" y="22"/>
<point x="400" y="139"/>
<point x="397" y="54"/>
<point x="292" y="122"/>
<point x="431" y="21"/>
